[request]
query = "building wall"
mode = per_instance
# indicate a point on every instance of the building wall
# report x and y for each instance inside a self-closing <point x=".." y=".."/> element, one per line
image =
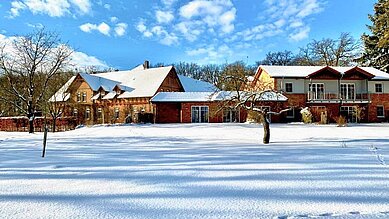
<point x="167" y="112"/>
<point x="378" y="100"/>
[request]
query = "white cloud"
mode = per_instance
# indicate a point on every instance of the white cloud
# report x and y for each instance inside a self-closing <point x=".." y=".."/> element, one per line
<point x="78" y="59"/>
<point x="211" y="13"/>
<point x="120" y="29"/>
<point x="107" y="6"/>
<point x="102" y="28"/>
<point x="88" y="27"/>
<point x="168" y="2"/>
<point x="141" y="27"/>
<point x="211" y="53"/>
<point x="53" y="8"/>
<point x="114" y="19"/>
<point x="83" y="5"/>
<point x="300" y="34"/>
<point x="82" y="60"/>
<point x="164" y="16"/>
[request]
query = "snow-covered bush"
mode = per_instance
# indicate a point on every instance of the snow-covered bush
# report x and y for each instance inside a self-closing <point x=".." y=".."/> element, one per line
<point x="306" y="115"/>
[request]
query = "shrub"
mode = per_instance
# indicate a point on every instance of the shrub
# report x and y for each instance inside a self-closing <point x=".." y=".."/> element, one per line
<point x="306" y="115"/>
<point x="341" y="121"/>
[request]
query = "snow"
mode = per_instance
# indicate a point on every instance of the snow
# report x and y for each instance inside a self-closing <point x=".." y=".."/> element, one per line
<point x="193" y="85"/>
<point x="213" y="96"/>
<point x="197" y="171"/>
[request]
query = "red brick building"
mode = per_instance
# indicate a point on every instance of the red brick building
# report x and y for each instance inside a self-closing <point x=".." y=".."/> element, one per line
<point x="207" y="107"/>
<point x="361" y="94"/>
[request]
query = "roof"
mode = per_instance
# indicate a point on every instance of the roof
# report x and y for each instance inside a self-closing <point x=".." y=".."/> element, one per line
<point x="305" y="71"/>
<point x="61" y="95"/>
<point x="138" y="82"/>
<point x="171" y="97"/>
<point x="193" y="85"/>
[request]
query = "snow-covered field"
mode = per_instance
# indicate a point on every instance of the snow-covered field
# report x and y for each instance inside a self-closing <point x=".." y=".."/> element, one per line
<point x="197" y="171"/>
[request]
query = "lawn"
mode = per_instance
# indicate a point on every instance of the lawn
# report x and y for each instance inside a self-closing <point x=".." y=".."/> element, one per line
<point x="197" y="171"/>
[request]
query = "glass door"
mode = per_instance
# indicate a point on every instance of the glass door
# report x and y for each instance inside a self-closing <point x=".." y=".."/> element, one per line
<point x="347" y="91"/>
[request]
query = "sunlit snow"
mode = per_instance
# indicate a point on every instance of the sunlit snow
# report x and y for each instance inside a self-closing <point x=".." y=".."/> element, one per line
<point x="197" y="171"/>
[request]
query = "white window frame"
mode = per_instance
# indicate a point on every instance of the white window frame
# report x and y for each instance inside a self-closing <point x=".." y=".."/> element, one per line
<point x="383" y="111"/>
<point x="117" y="112"/>
<point x="375" y="88"/>
<point x="313" y="94"/>
<point x="237" y="114"/>
<point x="83" y="98"/>
<point x="78" y="96"/>
<point x="75" y="112"/>
<point x="291" y="83"/>
<point x="87" y="113"/>
<point x="199" y="113"/>
<point x="347" y="91"/>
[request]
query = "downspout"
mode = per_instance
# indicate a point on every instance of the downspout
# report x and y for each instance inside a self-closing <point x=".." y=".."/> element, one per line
<point x="339" y="91"/>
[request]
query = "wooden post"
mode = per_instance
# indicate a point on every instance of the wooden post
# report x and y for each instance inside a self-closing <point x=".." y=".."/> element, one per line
<point x="44" y="139"/>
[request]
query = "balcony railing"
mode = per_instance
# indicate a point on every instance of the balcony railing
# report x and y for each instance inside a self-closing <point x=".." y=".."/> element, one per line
<point x="350" y="97"/>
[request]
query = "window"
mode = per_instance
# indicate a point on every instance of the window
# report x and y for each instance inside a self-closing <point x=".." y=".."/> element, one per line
<point x="200" y="114"/>
<point x="78" y="97"/>
<point x="380" y="112"/>
<point x="99" y="113"/>
<point x="289" y="87"/>
<point x="83" y="96"/>
<point x="316" y="91"/>
<point x="349" y="113"/>
<point x="87" y="114"/>
<point x="347" y="91"/>
<point x="290" y="113"/>
<point x="117" y="113"/>
<point x="75" y="112"/>
<point x="230" y="115"/>
<point x="378" y="88"/>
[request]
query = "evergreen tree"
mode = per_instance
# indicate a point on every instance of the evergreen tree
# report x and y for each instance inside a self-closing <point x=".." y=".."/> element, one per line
<point x="377" y="43"/>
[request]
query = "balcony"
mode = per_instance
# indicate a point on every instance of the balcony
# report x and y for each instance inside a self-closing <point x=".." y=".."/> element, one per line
<point x="349" y="97"/>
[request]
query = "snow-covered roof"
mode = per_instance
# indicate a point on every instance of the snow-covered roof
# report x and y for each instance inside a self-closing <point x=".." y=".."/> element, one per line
<point x="95" y="82"/>
<point x="138" y="82"/>
<point x="304" y="71"/>
<point x="109" y="95"/>
<point x="193" y="85"/>
<point x="61" y="95"/>
<point x="183" y="97"/>
<point x="95" y="97"/>
<point x="214" y="96"/>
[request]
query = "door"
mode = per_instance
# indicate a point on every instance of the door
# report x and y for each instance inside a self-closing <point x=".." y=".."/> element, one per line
<point x="200" y="114"/>
<point x="349" y="113"/>
<point x="230" y="115"/>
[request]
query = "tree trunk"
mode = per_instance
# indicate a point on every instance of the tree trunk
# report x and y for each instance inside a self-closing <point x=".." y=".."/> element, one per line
<point x="54" y="123"/>
<point x="266" y="129"/>
<point x="31" y="124"/>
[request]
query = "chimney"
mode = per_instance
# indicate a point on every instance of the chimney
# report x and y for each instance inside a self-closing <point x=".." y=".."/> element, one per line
<point x="146" y="65"/>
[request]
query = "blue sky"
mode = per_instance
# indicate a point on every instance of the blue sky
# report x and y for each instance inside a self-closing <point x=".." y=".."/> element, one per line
<point x="124" y="33"/>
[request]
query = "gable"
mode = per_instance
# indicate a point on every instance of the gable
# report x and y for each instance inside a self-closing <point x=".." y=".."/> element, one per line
<point x="357" y="74"/>
<point x="325" y="73"/>
<point x="171" y="83"/>
<point x="262" y="81"/>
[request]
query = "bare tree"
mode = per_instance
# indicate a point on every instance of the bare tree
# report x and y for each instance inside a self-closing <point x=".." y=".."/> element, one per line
<point x="238" y="95"/>
<point x="58" y="92"/>
<point x="331" y="52"/>
<point x="29" y="64"/>
<point x="278" y="58"/>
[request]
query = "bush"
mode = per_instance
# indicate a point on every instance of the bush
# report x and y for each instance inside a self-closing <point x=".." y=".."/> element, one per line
<point x="306" y="115"/>
<point x="341" y="121"/>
